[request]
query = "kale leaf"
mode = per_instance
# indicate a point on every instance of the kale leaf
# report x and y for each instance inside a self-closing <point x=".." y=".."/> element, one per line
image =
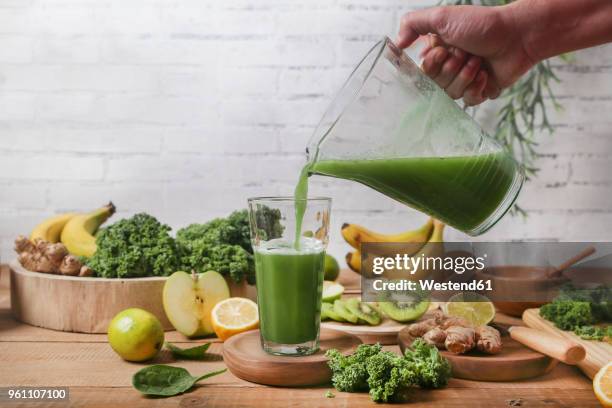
<point x="134" y="247"/>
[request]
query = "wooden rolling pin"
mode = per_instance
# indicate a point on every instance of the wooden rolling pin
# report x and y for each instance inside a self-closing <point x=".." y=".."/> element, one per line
<point x="553" y="346"/>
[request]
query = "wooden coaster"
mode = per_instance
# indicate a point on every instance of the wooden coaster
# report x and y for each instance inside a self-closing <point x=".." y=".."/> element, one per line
<point x="515" y="362"/>
<point x="246" y="359"/>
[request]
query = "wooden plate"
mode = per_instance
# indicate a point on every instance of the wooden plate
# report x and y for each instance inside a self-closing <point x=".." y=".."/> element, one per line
<point x="515" y="362"/>
<point x="87" y="305"/>
<point x="384" y="333"/>
<point x="246" y="359"/>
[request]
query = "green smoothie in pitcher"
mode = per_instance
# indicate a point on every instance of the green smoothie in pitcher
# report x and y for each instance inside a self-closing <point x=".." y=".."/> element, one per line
<point x="289" y="285"/>
<point x="462" y="191"/>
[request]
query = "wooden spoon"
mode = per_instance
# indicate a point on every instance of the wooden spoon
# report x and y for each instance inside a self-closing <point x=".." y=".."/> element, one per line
<point x="556" y="272"/>
<point x="553" y="346"/>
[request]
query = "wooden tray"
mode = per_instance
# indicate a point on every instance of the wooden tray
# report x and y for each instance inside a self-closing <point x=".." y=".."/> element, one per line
<point x="598" y="353"/>
<point x="515" y="362"/>
<point x="246" y="359"/>
<point x="87" y="305"/>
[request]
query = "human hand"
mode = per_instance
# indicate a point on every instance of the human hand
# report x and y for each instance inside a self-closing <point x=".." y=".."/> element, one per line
<point x="472" y="52"/>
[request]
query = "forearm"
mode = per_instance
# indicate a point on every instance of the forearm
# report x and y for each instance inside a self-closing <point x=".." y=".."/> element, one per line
<point x="553" y="27"/>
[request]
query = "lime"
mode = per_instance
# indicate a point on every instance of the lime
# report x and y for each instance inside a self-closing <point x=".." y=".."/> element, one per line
<point x="332" y="291"/>
<point x="473" y="307"/>
<point x="136" y="335"/>
<point x="332" y="268"/>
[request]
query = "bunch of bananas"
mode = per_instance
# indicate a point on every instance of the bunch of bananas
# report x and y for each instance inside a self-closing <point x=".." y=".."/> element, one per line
<point x="75" y="231"/>
<point x="424" y="241"/>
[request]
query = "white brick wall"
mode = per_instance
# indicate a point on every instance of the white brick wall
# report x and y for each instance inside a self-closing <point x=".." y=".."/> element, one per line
<point x="186" y="108"/>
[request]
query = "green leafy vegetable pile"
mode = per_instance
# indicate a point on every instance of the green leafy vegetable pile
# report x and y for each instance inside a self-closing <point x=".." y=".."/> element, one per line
<point x="223" y="244"/>
<point x="134" y="247"/>
<point x="385" y="374"/>
<point x="141" y="246"/>
<point x="579" y="309"/>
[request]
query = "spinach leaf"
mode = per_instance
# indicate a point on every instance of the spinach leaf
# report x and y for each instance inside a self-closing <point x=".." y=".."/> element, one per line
<point x="166" y="381"/>
<point x="193" y="353"/>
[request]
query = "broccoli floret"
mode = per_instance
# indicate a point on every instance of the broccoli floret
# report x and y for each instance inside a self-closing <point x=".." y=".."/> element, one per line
<point x="135" y="247"/>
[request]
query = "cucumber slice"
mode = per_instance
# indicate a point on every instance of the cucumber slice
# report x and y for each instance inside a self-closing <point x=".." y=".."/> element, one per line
<point x="332" y="291"/>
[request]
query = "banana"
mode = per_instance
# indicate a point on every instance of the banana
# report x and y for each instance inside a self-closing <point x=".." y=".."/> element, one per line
<point x="50" y="229"/>
<point x="432" y="249"/>
<point x="356" y="234"/>
<point x="78" y="234"/>
<point x="353" y="260"/>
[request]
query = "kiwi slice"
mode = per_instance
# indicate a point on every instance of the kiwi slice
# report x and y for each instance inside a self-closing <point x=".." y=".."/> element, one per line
<point x="363" y="311"/>
<point x="327" y="313"/>
<point x="343" y="312"/>
<point x="404" y="311"/>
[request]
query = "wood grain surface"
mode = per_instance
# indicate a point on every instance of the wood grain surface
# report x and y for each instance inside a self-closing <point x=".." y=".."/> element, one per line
<point x="598" y="353"/>
<point x="245" y="358"/>
<point x="97" y="377"/>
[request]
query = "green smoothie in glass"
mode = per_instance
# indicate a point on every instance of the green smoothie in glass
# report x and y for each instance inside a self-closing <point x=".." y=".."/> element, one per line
<point x="289" y="285"/>
<point x="289" y="270"/>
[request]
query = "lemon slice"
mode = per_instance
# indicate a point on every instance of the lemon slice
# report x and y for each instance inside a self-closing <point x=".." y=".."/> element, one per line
<point x="234" y="315"/>
<point x="476" y="309"/>
<point x="602" y="385"/>
<point x="332" y="291"/>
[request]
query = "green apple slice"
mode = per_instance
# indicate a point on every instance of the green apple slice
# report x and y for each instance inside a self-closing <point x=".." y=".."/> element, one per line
<point x="189" y="299"/>
<point x="332" y="291"/>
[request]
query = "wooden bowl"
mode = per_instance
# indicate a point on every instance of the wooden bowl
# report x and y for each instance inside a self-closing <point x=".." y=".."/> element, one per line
<point x="87" y="305"/>
<point x="530" y="282"/>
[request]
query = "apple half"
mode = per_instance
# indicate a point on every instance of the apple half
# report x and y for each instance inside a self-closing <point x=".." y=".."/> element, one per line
<point x="189" y="298"/>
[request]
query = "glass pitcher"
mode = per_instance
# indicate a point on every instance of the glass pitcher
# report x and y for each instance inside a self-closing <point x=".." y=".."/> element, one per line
<point x="395" y="130"/>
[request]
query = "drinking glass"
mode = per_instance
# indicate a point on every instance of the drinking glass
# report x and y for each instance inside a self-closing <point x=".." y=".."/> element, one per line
<point x="289" y="274"/>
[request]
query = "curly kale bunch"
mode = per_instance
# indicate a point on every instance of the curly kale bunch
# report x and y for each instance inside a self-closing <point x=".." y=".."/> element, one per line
<point x="385" y="374"/>
<point x="578" y="309"/>
<point x="134" y="247"/>
<point x="388" y="375"/>
<point x="431" y="368"/>
<point x="349" y="372"/>
<point x="224" y="244"/>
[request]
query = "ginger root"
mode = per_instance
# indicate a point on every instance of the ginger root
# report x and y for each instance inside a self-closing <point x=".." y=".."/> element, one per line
<point x="85" y="271"/>
<point x="435" y="337"/>
<point x="46" y="257"/>
<point x="70" y="265"/>
<point x="460" y="339"/>
<point x="488" y="340"/>
<point x="419" y="329"/>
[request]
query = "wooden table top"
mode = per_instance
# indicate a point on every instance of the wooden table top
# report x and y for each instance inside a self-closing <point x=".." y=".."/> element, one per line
<point x="97" y="377"/>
